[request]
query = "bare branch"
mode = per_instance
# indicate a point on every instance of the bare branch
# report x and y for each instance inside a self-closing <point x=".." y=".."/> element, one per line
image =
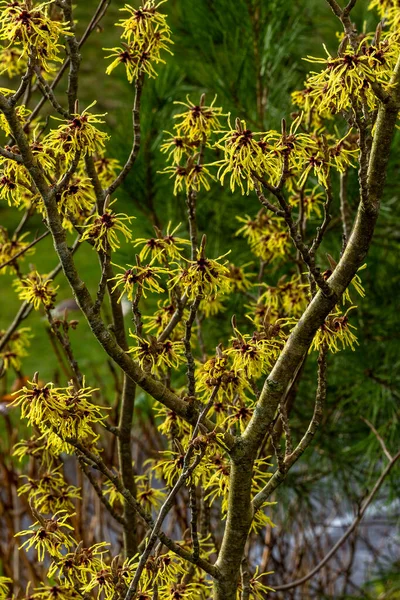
<point x="348" y="531"/>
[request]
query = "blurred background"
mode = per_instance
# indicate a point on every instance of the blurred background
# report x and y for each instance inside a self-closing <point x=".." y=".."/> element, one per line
<point x="250" y="53"/>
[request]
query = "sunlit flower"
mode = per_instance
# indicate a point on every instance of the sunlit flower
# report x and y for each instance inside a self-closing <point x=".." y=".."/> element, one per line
<point x="77" y="198"/>
<point x="192" y="176"/>
<point x="153" y="355"/>
<point x="147" y="34"/>
<point x="143" y="22"/>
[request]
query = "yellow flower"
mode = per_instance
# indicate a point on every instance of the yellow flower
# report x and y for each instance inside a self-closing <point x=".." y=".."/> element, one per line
<point x="160" y="318"/>
<point x="240" y="279"/>
<point x="144" y="276"/>
<point x="153" y="355"/>
<point x="77" y="135"/>
<point x="199" y="121"/>
<point x="112" y="494"/>
<point x="148" y="495"/>
<point x="254" y="355"/>
<point x="267" y="235"/>
<point x="144" y="21"/>
<point x="32" y="29"/>
<point x="35" y="447"/>
<point x="48" y="535"/>
<point x="258" y="590"/>
<point x="162" y="246"/>
<point x="171" y="424"/>
<point x="55" y="592"/>
<point x="21" y="112"/>
<point x="211" y="306"/>
<point x="50" y="492"/>
<point x="170" y="467"/>
<point x="77" y="197"/>
<point x="76" y="566"/>
<point x="203" y="277"/>
<point x="60" y="412"/>
<point x="102" y="231"/>
<point x="312" y="201"/>
<point x="336" y="333"/>
<point x="288" y="296"/>
<point x="136" y="60"/>
<point x="347" y="77"/>
<point x="37" y="290"/>
<point x="193" y="176"/>
<point x="11" y="247"/>
<point x="245" y="154"/>
<point x="178" y="147"/>
<point x="107" y="169"/>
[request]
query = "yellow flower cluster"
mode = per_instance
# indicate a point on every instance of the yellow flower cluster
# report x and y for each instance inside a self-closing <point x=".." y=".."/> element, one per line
<point x="60" y="413"/>
<point x="204" y="277"/>
<point x="349" y="77"/>
<point x="293" y="155"/>
<point x="160" y="318"/>
<point x="192" y="134"/>
<point x="50" y="492"/>
<point x="79" y="134"/>
<point x="32" y="30"/>
<point x="4" y="591"/>
<point x="147" y="34"/>
<point x="288" y="297"/>
<point x="337" y="332"/>
<point x="267" y="235"/>
<point x="253" y="355"/>
<point x="153" y="355"/>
